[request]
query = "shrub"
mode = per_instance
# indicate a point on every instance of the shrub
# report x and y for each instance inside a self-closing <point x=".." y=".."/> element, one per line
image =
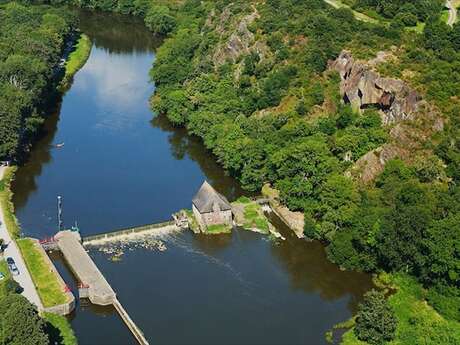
<point x="375" y="321"/>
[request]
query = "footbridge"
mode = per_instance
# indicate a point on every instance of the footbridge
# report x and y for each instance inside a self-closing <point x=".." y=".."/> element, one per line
<point x="93" y="284"/>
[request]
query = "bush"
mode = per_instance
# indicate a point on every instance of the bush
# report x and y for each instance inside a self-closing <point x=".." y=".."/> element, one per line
<point x="159" y="20"/>
<point x="375" y="321"/>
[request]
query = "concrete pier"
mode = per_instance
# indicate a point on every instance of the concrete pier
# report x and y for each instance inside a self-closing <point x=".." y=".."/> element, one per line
<point x="99" y="290"/>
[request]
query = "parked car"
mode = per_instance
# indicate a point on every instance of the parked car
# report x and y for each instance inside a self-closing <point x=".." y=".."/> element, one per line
<point x="12" y="266"/>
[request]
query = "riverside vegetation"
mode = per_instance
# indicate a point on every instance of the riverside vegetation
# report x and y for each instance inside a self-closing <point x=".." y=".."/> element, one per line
<point x="252" y="80"/>
<point x="32" y="39"/>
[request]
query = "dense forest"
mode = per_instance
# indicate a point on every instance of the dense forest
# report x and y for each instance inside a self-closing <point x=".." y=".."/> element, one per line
<point x="32" y="40"/>
<point x="252" y="80"/>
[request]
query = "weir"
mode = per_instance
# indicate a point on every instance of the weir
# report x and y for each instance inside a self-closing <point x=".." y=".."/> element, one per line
<point x="127" y="233"/>
<point x="93" y="284"/>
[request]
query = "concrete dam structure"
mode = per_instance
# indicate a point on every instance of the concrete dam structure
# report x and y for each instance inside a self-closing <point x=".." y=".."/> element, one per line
<point x="93" y="284"/>
<point x="98" y="289"/>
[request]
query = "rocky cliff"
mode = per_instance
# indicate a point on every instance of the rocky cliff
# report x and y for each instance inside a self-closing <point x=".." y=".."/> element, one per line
<point x="363" y="88"/>
<point x="410" y="120"/>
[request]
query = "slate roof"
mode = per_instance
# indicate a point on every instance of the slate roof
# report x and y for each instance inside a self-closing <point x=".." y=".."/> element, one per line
<point x="207" y="197"/>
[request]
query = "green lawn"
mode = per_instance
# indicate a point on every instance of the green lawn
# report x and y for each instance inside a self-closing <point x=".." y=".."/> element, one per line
<point x="11" y="222"/>
<point x="218" y="229"/>
<point x="77" y="58"/>
<point x="253" y="215"/>
<point x="60" y="331"/>
<point x="46" y="282"/>
<point x="418" y="322"/>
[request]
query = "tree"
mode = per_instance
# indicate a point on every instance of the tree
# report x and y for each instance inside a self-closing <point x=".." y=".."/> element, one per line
<point x="375" y="320"/>
<point x="20" y="323"/>
<point x="159" y="20"/>
<point x="301" y="168"/>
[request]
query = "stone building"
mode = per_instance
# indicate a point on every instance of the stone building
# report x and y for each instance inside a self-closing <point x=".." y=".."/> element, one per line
<point x="210" y="207"/>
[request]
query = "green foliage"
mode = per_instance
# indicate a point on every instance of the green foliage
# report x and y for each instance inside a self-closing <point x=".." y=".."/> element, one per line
<point x="77" y="58"/>
<point x="375" y="320"/>
<point x="159" y="20"/>
<point x="216" y="229"/>
<point x="31" y="41"/>
<point x="20" y="323"/>
<point x="59" y="330"/>
<point x="445" y="300"/>
<point x="416" y="9"/>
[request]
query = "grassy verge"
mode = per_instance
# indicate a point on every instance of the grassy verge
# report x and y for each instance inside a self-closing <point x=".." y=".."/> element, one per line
<point x="59" y="330"/>
<point x="77" y="59"/>
<point x="418" y="322"/>
<point x="48" y="287"/>
<point x="250" y="215"/>
<point x="218" y="229"/>
<point x="6" y="204"/>
<point x="192" y="223"/>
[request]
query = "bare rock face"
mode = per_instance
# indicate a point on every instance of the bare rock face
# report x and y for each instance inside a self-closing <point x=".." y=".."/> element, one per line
<point x="240" y="41"/>
<point x="369" y="166"/>
<point x="410" y="120"/>
<point x="362" y="88"/>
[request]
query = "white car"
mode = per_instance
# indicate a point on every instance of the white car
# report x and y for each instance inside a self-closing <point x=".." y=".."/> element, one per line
<point x="12" y="266"/>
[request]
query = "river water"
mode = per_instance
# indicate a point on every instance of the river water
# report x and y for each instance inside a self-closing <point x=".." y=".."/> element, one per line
<point x="118" y="168"/>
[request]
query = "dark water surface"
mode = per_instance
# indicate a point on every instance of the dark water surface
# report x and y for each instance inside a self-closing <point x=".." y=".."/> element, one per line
<point x="118" y="168"/>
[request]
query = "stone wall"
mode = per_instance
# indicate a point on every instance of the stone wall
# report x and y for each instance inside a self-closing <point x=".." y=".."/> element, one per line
<point x="212" y="218"/>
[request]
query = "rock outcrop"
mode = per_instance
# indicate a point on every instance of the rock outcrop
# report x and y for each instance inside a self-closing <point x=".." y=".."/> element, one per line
<point x="410" y="120"/>
<point x="241" y="40"/>
<point x="363" y="88"/>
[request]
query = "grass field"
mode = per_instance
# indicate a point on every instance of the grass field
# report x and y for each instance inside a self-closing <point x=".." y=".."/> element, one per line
<point x="48" y="287"/>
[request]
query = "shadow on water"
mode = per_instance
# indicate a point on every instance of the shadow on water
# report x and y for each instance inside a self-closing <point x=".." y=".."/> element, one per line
<point x="25" y="178"/>
<point x="182" y="144"/>
<point x="310" y="270"/>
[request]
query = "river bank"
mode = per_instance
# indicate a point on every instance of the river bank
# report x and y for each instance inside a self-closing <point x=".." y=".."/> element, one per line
<point x="76" y="60"/>
<point x="40" y="286"/>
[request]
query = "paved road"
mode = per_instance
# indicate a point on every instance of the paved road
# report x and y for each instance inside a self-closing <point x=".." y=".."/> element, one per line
<point x="452" y="13"/>
<point x="24" y="279"/>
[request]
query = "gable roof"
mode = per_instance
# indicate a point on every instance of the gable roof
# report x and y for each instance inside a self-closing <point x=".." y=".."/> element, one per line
<point x="207" y="197"/>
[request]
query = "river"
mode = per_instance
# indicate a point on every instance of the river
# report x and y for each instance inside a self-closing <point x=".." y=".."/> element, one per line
<point x="118" y="168"/>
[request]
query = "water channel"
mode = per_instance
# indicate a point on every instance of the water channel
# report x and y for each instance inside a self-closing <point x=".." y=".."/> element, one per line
<point x="120" y="166"/>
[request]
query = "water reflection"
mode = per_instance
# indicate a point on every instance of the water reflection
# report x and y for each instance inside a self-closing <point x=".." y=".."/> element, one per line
<point x="311" y="271"/>
<point x="25" y="179"/>
<point x="118" y="34"/>
<point x="114" y="84"/>
<point x="182" y="144"/>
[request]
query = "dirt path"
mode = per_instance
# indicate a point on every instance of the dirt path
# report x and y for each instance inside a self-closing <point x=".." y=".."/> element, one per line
<point x="451" y="5"/>
<point x="358" y="15"/>
<point x="23" y="278"/>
